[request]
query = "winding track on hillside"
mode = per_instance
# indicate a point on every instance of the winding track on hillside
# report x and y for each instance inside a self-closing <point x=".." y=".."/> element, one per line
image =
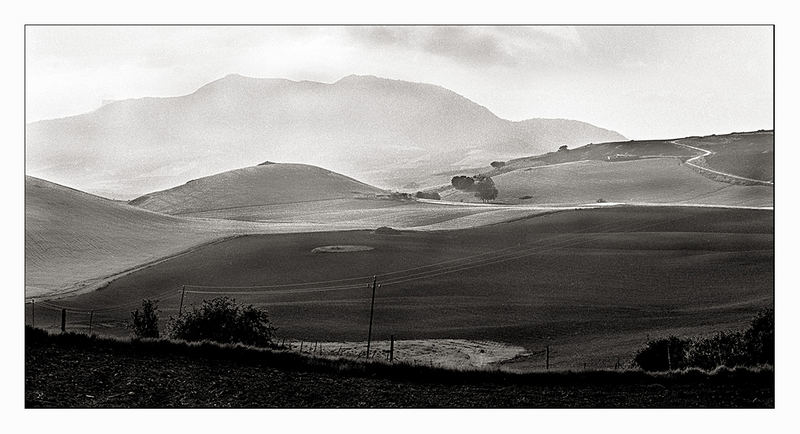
<point x="706" y="153"/>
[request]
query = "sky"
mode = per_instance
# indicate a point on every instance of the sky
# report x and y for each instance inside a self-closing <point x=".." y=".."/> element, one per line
<point x="644" y="82"/>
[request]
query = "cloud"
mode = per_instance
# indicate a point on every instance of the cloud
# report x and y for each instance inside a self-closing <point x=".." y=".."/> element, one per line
<point x="475" y="46"/>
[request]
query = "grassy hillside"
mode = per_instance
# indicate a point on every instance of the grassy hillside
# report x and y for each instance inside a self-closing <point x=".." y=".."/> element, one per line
<point x="635" y="171"/>
<point x="74" y="239"/>
<point x="655" y="180"/>
<point x="750" y="155"/>
<point x="592" y="284"/>
<point x="268" y="184"/>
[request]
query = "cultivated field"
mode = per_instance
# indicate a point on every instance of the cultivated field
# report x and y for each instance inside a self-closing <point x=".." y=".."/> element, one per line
<point x="591" y="284"/>
<point x="649" y="171"/>
<point x="652" y="180"/>
<point x="76" y="241"/>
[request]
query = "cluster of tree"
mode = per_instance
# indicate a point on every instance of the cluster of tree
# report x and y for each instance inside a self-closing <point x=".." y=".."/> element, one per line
<point x="463" y="183"/>
<point x="428" y="195"/>
<point x="755" y="346"/>
<point x="482" y="185"/>
<point x="485" y="189"/>
<point x="219" y="320"/>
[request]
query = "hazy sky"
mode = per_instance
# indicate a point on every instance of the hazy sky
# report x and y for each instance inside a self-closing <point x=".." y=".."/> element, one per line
<point x="645" y="82"/>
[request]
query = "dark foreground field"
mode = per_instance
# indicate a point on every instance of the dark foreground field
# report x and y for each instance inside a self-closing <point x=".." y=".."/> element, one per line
<point x="594" y="285"/>
<point x="78" y="371"/>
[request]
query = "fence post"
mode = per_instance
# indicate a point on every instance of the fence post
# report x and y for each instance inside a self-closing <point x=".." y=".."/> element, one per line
<point x="391" y="349"/>
<point x="547" y="357"/>
<point x="371" y="310"/>
<point x="91" y="317"/>
<point x="183" y="291"/>
<point x="669" y="358"/>
<point x="63" y="320"/>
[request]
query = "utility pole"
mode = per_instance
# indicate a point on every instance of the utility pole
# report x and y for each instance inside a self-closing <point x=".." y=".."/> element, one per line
<point x="91" y="318"/>
<point x="183" y="291"/>
<point x="371" y="311"/>
<point x="391" y="349"/>
<point x="63" y="320"/>
<point x="33" y="312"/>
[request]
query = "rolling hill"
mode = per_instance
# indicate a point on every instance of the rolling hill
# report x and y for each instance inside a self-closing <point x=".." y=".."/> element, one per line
<point x="75" y="240"/>
<point x="652" y="171"/>
<point x="265" y="184"/>
<point x="385" y="132"/>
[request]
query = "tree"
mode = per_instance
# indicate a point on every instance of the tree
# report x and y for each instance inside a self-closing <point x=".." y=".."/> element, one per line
<point x="144" y="323"/>
<point x="222" y="320"/>
<point x="498" y="164"/>
<point x="463" y="182"/>
<point x="485" y="189"/>
<point x="562" y="148"/>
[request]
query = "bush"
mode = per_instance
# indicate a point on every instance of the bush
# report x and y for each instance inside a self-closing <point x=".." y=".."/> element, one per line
<point x="723" y="349"/>
<point x="144" y="323"/>
<point x="222" y="320"/>
<point x="663" y="354"/>
<point x="755" y="346"/>
<point x="760" y="338"/>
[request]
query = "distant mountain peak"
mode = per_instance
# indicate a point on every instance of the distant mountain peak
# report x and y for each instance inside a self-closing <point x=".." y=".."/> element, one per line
<point x="385" y="131"/>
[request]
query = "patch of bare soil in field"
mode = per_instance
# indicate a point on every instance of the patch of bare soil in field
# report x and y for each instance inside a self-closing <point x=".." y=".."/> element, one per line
<point x="449" y="353"/>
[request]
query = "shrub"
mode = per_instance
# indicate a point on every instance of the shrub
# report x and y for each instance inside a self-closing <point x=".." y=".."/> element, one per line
<point x="755" y="346"/>
<point x="663" y="354"/>
<point x="760" y="338"/>
<point x="144" y="323"/>
<point x="222" y="320"/>
<point x="722" y="349"/>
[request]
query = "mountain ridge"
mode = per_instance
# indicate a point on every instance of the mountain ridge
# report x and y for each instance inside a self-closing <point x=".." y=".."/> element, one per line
<point x="382" y="131"/>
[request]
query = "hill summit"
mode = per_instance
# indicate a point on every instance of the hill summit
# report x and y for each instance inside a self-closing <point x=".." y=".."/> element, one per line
<point x="265" y="184"/>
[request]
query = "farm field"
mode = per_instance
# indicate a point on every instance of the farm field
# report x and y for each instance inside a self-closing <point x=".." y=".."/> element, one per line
<point x="591" y="284"/>
<point x="652" y="180"/>
<point x="76" y="241"/>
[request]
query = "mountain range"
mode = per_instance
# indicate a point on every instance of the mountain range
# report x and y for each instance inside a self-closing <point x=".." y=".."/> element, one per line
<point x="383" y="132"/>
